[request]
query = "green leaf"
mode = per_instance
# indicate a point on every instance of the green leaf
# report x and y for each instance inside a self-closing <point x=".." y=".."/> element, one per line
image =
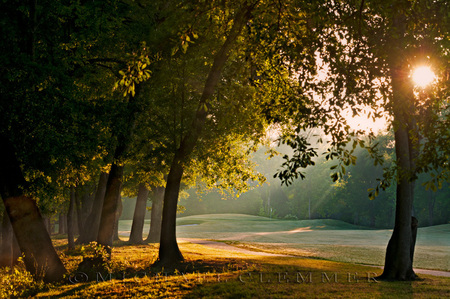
<point x="334" y="177"/>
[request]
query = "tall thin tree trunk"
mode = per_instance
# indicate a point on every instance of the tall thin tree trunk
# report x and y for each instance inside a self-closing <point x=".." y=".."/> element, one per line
<point x="139" y="215"/>
<point x="40" y="256"/>
<point x="84" y="203"/>
<point x="70" y="220"/>
<point x="48" y="224"/>
<point x="118" y="214"/>
<point x="154" y="233"/>
<point x="110" y="203"/>
<point x="62" y="224"/>
<point x="168" y="251"/>
<point x="93" y="220"/>
<point x="114" y="183"/>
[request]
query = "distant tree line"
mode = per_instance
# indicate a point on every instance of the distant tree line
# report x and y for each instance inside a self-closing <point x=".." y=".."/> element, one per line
<point x="318" y="197"/>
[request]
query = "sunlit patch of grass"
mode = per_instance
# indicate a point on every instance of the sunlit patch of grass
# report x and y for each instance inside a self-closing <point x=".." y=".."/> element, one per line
<point x="211" y="273"/>
<point x="426" y="257"/>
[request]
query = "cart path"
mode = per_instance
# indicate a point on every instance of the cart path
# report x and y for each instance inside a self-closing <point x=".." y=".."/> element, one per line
<point x="223" y="246"/>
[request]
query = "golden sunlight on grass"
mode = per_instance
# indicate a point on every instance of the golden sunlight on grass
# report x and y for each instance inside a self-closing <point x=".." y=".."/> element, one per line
<point x="423" y="76"/>
<point x="218" y="273"/>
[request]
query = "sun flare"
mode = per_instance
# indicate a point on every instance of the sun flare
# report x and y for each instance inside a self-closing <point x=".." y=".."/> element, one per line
<point x="423" y="76"/>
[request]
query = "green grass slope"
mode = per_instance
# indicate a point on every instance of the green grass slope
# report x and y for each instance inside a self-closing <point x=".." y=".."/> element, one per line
<point x="321" y="238"/>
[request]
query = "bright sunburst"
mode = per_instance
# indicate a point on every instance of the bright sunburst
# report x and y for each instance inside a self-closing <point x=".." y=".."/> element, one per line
<point x="422" y="76"/>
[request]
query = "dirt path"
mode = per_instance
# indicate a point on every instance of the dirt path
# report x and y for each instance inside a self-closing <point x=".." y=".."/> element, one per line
<point x="223" y="246"/>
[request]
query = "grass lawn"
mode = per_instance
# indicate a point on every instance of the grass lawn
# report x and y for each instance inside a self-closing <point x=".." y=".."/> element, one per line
<point x="325" y="238"/>
<point x="213" y="273"/>
<point x="316" y="270"/>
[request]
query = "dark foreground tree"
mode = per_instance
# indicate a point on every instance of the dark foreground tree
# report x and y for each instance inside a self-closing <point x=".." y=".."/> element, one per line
<point x="40" y="257"/>
<point x="9" y="249"/>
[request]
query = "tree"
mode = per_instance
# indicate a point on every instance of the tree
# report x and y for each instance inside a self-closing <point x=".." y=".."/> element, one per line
<point x="169" y="251"/>
<point x="9" y="249"/>
<point x="154" y="233"/>
<point x="139" y="215"/>
<point x="367" y="51"/>
<point x="39" y="255"/>
<point x="93" y="220"/>
<point x="51" y="102"/>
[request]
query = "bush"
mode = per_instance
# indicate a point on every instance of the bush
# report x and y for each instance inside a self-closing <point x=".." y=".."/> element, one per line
<point x="17" y="282"/>
<point x="96" y="258"/>
<point x="290" y="217"/>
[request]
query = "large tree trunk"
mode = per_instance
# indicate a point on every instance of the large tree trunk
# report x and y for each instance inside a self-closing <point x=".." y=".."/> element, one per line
<point x="400" y="249"/>
<point x="168" y="251"/>
<point x="139" y="215"/>
<point x="6" y="249"/>
<point x="93" y="220"/>
<point x="9" y="249"/>
<point x="154" y="233"/>
<point x="40" y="256"/>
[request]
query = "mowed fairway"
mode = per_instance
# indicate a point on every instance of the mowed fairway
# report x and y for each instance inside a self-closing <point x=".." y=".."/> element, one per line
<point x="325" y="238"/>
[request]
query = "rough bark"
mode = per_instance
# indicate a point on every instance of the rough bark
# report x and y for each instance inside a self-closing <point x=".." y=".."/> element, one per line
<point x="93" y="220"/>
<point x="168" y="251"/>
<point x="154" y="233"/>
<point x="40" y="257"/>
<point x="137" y="227"/>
